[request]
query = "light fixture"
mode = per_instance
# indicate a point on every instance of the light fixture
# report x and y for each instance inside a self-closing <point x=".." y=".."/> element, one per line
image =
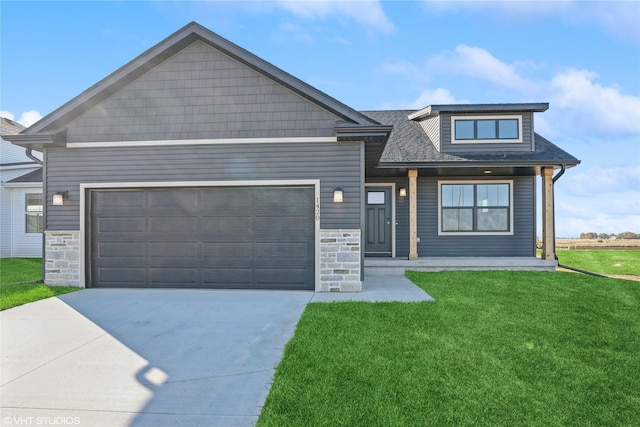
<point x="338" y="195"/>
<point x="488" y="172"/>
<point x="60" y="197"/>
<point x="402" y="192"/>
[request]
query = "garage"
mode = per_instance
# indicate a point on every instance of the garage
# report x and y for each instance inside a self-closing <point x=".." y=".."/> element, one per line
<point x="202" y="237"/>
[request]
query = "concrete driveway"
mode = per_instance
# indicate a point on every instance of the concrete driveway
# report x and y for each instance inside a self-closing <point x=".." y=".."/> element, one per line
<point x="113" y="357"/>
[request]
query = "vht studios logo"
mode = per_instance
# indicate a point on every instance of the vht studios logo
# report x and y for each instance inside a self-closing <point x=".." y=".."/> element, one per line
<point x="40" y="421"/>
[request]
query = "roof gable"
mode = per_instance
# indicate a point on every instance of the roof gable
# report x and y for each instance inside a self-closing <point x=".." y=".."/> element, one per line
<point x="169" y="47"/>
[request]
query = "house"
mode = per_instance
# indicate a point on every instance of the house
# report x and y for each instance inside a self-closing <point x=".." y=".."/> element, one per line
<point x="199" y="164"/>
<point x="20" y="198"/>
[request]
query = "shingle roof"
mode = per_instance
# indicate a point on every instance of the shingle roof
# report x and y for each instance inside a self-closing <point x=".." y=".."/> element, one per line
<point x="34" y="176"/>
<point x="408" y="143"/>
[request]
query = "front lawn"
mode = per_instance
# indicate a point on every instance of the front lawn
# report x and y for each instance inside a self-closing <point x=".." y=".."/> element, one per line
<point x="15" y="295"/>
<point x="18" y="270"/>
<point x="496" y="348"/>
<point x="603" y="261"/>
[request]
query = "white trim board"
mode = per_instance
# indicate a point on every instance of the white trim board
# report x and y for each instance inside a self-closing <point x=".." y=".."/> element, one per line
<point x="228" y="141"/>
<point x="518" y="140"/>
<point x="172" y="184"/>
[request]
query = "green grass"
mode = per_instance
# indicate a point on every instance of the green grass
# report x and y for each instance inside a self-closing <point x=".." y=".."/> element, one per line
<point x="15" y="295"/>
<point x="495" y="349"/>
<point x="17" y="270"/>
<point x="605" y="261"/>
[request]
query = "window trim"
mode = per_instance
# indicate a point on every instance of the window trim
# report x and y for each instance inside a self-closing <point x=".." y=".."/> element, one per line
<point x="518" y="140"/>
<point x="476" y="233"/>
<point x="27" y="213"/>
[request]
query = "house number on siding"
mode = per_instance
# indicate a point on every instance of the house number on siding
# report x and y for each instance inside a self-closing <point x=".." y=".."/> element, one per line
<point x="317" y="208"/>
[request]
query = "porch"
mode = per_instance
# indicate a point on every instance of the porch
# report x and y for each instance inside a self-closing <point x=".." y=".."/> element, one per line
<point x="392" y="266"/>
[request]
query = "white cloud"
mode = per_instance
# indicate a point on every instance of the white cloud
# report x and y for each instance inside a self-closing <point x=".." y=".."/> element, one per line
<point x="479" y="63"/>
<point x="618" y="17"/>
<point x="29" y="117"/>
<point x="426" y="97"/>
<point x="368" y="13"/>
<point x="599" y="108"/>
<point x="7" y="114"/>
<point x="579" y="104"/>
<point x="26" y="119"/>
<point x="600" y="180"/>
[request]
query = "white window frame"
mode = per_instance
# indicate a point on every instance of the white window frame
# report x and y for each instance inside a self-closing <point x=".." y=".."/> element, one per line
<point x="475" y="233"/>
<point x="27" y="212"/>
<point x="486" y="141"/>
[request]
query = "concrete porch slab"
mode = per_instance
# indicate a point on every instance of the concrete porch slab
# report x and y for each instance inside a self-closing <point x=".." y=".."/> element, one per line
<point x="397" y="266"/>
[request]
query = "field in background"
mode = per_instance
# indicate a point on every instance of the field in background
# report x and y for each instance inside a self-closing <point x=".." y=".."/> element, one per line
<point x="597" y="244"/>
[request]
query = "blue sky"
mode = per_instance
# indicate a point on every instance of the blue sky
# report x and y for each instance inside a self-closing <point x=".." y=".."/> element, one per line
<point x="581" y="57"/>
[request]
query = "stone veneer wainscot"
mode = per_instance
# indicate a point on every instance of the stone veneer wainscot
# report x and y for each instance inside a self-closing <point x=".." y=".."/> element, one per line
<point x="340" y="261"/>
<point x="62" y="255"/>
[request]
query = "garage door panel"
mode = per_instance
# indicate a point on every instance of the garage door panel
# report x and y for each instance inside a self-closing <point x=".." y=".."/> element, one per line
<point x="226" y="249"/>
<point x="173" y="199"/>
<point x="117" y="275"/>
<point x="289" y="250"/>
<point x="185" y="276"/>
<point x="123" y="224"/>
<point x="231" y="237"/>
<point x="226" y="227"/>
<point x="119" y="250"/>
<point x="110" y="200"/>
<point x="173" y="224"/>
<point x="171" y="250"/>
<point x="221" y="276"/>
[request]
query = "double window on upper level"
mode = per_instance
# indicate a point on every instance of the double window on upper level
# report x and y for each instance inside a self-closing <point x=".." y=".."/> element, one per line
<point x="486" y="129"/>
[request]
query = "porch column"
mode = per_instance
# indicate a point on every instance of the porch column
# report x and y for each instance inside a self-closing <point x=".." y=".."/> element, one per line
<point x="548" y="236"/>
<point x="413" y="214"/>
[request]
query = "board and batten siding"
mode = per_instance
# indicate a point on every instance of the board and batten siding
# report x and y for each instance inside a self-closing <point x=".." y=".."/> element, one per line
<point x="520" y="244"/>
<point x="201" y="93"/>
<point x="334" y="164"/>
<point x="446" y="136"/>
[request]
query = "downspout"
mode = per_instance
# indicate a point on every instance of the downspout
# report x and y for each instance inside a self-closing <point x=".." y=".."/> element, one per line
<point x="29" y="154"/>
<point x="563" y="168"/>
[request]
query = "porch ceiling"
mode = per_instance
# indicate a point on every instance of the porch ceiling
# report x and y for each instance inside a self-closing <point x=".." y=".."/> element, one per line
<point x="476" y="171"/>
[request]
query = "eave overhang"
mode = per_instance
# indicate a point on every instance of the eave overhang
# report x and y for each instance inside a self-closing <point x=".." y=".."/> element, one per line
<point x="38" y="142"/>
<point x="434" y="110"/>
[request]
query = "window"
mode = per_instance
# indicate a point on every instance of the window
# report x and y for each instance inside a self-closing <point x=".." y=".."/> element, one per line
<point x="33" y="212"/>
<point x="475" y="207"/>
<point x="486" y="129"/>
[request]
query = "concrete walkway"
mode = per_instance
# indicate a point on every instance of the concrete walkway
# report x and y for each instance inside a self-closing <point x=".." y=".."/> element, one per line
<point x="379" y="289"/>
<point x="151" y="357"/>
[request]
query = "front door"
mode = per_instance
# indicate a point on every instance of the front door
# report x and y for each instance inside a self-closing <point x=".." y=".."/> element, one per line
<point x="378" y="221"/>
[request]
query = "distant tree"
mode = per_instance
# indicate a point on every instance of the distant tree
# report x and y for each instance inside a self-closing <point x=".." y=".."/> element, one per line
<point x="603" y="236"/>
<point x="628" y="235"/>
<point x="589" y="235"/>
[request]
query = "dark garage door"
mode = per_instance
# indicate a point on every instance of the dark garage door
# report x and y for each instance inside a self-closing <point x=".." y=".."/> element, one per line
<point x="223" y="237"/>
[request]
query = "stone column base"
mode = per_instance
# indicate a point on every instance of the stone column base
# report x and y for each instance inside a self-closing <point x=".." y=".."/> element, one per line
<point x="340" y="260"/>
<point x="62" y="258"/>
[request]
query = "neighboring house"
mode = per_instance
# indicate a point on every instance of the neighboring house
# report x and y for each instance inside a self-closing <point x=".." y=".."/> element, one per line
<point x="199" y="164"/>
<point x="20" y="198"/>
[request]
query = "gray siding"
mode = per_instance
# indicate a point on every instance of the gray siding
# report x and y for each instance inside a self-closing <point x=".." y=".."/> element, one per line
<point x="446" y="136"/>
<point x="201" y="93"/>
<point x="336" y="165"/>
<point x="521" y="243"/>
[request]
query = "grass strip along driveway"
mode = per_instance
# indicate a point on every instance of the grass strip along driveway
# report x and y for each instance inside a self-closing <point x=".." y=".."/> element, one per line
<point x="15" y="270"/>
<point x="496" y="348"/>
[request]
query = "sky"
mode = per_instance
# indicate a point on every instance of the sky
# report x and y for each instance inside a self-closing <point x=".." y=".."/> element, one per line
<point x="582" y="57"/>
